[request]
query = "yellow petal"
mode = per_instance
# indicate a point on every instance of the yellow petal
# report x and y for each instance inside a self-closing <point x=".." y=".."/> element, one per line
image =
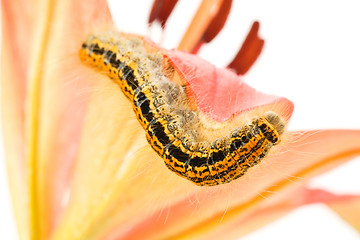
<point x="51" y="32"/>
<point x="59" y="109"/>
<point x="213" y="210"/>
<point x="14" y="68"/>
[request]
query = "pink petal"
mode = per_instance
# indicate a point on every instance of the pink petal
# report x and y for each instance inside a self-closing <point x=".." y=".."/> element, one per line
<point x="219" y="92"/>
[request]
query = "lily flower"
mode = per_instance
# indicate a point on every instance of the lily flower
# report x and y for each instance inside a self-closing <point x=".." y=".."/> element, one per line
<point x="78" y="161"/>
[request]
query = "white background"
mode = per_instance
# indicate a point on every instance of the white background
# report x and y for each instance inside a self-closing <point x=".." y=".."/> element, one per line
<point x="311" y="56"/>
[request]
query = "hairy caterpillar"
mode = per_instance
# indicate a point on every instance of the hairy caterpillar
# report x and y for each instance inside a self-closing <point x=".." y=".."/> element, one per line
<point x="171" y="123"/>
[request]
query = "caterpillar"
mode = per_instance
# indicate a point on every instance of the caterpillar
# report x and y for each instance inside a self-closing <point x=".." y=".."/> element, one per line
<point x="172" y="125"/>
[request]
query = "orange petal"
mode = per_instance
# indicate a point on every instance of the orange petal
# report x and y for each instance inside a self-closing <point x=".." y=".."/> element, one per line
<point x="269" y="211"/>
<point x="348" y="210"/>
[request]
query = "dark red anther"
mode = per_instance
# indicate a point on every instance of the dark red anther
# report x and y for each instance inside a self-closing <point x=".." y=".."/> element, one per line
<point x="215" y="25"/>
<point x="161" y="11"/>
<point x="249" y="51"/>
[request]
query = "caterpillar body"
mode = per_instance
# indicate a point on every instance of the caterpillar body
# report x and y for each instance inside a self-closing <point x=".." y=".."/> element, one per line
<point x="171" y="123"/>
